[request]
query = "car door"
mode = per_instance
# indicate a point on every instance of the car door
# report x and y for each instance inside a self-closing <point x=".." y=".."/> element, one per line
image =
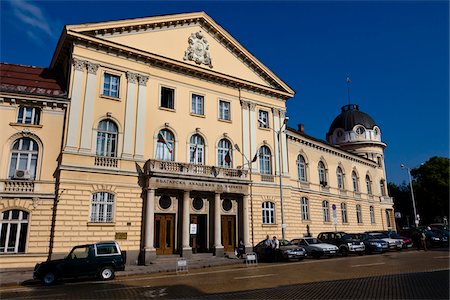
<point x="80" y="261"/>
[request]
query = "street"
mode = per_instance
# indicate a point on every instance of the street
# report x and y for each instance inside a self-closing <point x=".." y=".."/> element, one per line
<point x="394" y="275"/>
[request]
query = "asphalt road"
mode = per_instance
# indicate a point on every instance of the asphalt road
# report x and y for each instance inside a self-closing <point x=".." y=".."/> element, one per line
<point x="394" y="275"/>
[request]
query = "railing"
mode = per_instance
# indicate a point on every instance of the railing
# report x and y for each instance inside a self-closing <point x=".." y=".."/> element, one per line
<point x="386" y="200"/>
<point x="184" y="168"/>
<point x="104" y="161"/>
<point x="19" y="186"/>
<point x="267" y="178"/>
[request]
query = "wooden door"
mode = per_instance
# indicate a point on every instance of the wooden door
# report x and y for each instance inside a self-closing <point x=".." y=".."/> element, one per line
<point x="199" y="239"/>
<point x="229" y="233"/>
<point x="164" y="233"/>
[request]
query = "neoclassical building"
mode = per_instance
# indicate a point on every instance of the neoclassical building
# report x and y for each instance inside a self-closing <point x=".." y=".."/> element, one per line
<point x="167" y="135"/>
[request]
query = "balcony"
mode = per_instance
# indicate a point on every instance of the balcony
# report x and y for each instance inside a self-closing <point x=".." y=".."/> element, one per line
<point x="18" y="186"/>
<point x="177" y="168"/>
<point x="386" y="200"/>
<point x="267" y="178"/>
<point x="105" y="161"/>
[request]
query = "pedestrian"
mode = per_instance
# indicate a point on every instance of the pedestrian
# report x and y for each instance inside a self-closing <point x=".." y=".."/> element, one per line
<point x="416" y="239"/>
<point x="241" y="249"/>
<point x="423" y="240"/>
<point x="268" y="248"/>
<point x="275" y="248"/>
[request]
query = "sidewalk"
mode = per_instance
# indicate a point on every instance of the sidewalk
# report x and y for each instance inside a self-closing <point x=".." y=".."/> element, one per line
<point x="19" y="276"/>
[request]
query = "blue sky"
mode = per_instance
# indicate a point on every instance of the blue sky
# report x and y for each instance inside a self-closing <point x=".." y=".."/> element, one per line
<point x="395" y="52"/>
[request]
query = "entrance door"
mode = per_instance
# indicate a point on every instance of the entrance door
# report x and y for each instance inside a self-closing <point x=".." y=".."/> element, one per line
<point x="164" y="232"/>
<point x="198" y="240"/>
<point x="228" y="233"/>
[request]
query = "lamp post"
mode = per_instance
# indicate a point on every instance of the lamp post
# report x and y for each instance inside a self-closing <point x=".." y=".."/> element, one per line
<point x="416" y="219"/>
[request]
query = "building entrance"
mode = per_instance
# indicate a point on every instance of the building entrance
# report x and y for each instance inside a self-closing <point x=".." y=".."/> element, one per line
<point x="229" y="233"/>
<point x="164" y="233"/>
<point x="198" y="241"/>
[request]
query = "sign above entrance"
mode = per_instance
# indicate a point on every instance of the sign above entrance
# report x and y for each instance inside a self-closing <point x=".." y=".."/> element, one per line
<point x="190" y="185"/>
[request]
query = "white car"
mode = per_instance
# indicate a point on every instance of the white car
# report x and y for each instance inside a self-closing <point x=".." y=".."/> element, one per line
<point x="394" y="244"/>
<point x="315" y="247"/>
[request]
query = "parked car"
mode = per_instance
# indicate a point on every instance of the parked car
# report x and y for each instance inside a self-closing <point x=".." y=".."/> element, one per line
<point x="285" y="252"/>
<point x="371" y="243"/>
<point x="347" y="244"/>
<point x="407" y="241"/>
<point x="315" y="247"/>
<point x="100" y="259"/>
<point x="394" y="244"/>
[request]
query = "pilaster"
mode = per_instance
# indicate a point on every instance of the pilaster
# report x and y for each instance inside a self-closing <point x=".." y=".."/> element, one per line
<point x="88" y="111"/>
<point x="130" y="113"/>
<point x="141" y="117"/>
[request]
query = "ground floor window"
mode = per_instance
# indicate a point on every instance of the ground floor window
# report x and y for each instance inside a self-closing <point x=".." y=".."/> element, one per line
<point x="13" y="231"/>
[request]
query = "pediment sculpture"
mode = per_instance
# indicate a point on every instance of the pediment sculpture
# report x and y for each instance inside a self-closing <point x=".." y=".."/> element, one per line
<point x="198" y="50"/>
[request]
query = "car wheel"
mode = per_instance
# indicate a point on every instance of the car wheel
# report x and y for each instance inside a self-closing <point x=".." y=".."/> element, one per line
<point x="315" y="254"/>
<point x="49" y="278"/>
<point x="344" y="251"/>
<point x="360" y="253"/>
<point x="107" y="273"/>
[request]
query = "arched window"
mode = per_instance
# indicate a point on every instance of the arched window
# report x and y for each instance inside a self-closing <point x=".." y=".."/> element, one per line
<point x="372" y="215"/>
<point x="224" y="153"/>
<point x="13" y="231"/>
<point x="165" y="145"/>
<point x="102" y="207"/>
<point x="340" y="178"/>
<point x="268" y="213"/>
<point x="23" y="161"/>
<point x="368" y="185"/>
<point x="107" y="138"/>
<point x="305" y="208"/>
<point x="322" y="174"/>
<point x="382" y="188"/>
<point x="197" y="150"/>
<point x="355" y="182"/>
<point x="344" y="213"/>
<point x="358" y="214"/>
<point x="326" y="211"/>
<point x="301" y="167"/>
<point x="265" y="160"/>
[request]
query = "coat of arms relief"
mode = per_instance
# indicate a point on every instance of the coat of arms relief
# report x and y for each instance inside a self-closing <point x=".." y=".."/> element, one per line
<point x="198" y="50"/>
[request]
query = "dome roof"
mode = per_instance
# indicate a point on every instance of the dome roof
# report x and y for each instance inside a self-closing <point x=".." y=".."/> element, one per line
<point x="349" y="117"/>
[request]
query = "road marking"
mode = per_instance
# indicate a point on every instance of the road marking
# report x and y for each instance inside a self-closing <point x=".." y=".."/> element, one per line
<point x="124" y="288"/>
<point x="254" y="276"/>
<point x="445" y="256"/>
<point x="366" y="265"/>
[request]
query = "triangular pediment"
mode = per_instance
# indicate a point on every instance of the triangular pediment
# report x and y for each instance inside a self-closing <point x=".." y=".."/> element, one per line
<point x="193" y="39"/>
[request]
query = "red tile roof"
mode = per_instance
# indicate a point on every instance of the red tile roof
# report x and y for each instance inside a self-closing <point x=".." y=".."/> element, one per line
<point x="30" y="80"/>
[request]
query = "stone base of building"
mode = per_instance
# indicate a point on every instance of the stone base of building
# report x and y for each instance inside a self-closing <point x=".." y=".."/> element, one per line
<point x="149" y="256"/>
<point x="186" y="252"/>
<point x="219" y="251"/>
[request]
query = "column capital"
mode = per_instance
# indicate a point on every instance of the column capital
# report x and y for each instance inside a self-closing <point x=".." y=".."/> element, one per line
<point x="78" y="64"/>
<point x="244" y="104"/>
<point x="132" y="77"/>
<point x="143" y="80"/>
<point x="91" y="67"/>
<point x="252" y="106"/>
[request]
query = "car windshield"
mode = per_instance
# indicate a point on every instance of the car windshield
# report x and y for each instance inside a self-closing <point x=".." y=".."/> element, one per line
<point x="378" y="236"/>
<point x="313" y="241"/>
<point x="284" y="243"/>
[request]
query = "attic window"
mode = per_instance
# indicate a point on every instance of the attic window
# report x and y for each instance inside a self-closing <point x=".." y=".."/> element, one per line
<point x="360" y="130"/>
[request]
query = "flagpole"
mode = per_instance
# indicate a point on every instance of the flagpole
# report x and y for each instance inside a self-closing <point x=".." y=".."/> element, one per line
<point x="348" y="89"/>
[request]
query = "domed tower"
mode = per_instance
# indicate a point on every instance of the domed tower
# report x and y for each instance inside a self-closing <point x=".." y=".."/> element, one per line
<point x="357" y="132"/>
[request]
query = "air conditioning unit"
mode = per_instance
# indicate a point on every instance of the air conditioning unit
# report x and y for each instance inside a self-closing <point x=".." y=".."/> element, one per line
<point x="21" y="174"/>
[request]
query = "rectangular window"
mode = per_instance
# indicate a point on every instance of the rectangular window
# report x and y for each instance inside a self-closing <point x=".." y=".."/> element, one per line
<point x="197" y="104"/>
<point x="263" y="119"/>
<point x="29" y="115"/>
<point x="358" y="214"/>
<point x="224" y="110"/>
<point x="167" y="97"/>
<point x="305" y="209"/>
<point x="111" y="85"/>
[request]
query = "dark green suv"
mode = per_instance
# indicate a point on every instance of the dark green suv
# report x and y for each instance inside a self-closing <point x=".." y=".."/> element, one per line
<point x="100" y="259"/>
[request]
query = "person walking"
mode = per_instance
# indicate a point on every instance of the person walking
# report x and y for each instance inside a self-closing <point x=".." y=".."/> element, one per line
<point x="241" y="249"/>
<point x="268" y="248"/>
<point x="423" y="240"/>
<point x="275" y="248"/>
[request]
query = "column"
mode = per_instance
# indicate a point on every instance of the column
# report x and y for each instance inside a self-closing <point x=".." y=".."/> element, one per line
<point x="149" y="220"/>
<point x="130" y="113"/>
<point x="245" y="131"/>
<point x="284" y="155"/>
<point x="187" y="250"/>
<point x="276" y="129"/>
<point x="217" y="226"/>
<point x="252" y="107"/>
<point x="75" y="105"/>
<point x="88" y="112"/>
<point x="140" y="119"/>
<point x="245" y="223"/>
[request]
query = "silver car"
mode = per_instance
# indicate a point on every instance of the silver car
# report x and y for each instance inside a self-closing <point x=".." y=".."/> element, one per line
<point x="315" y="247"/>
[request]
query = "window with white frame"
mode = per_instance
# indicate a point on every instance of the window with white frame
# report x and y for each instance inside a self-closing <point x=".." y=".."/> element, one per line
<point x="224" y="110"/>
<point x="382" y="187"/>
<point x="268" y="213"/>
<point x="326" y="211"/>
<point x="322" y="174"/>
<point x="28" y="115"/>
<point x="23" y="161"/>
<point x="344" y="213"/>
<point x="13" y="231"/>
<point x="305" y="208"/>
<point x="111" y="85"/>
<point x="372" y="215"/>
<point x="340" y="178"/>
<point x="355" y="182"/>
<point x="263" y="119"/>
<point x="301" y="168"/>
<point x="197" y="150"/>
<point x="224" y="153"/>
<point x="102" y="207"/>
<point x="358" y="214"/>
<point x="197" y="104"/>
<point x="368" y="185"/>
<point x="167" y="97"/>
<point x="165" y="145"/>
<point x="107" y="138"/>
<point x="265" y="160"/>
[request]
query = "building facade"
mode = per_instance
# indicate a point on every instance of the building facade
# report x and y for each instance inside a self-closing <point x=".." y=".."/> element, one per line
<point x="170" y="137"/>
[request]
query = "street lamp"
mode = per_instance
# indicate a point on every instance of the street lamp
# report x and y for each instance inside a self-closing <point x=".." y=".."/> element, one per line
<point x="416" y="219"/>
<point x="278" y="133"/>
